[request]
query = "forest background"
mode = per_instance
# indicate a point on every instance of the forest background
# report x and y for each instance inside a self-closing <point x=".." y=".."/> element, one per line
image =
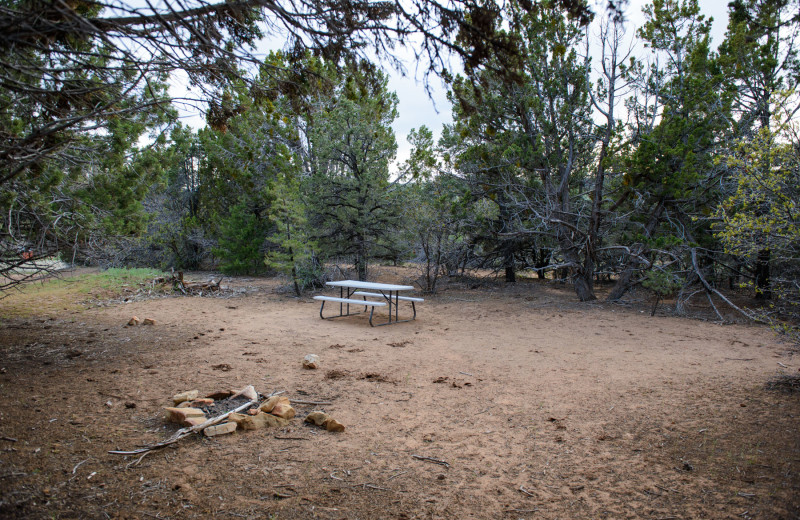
<point x="676" y="170"/>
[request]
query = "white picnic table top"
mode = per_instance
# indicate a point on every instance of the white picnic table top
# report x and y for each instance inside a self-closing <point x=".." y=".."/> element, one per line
<point x="356" y="284"/>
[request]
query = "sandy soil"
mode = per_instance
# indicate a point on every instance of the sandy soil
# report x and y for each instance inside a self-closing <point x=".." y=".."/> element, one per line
<point x="541" y="407"/>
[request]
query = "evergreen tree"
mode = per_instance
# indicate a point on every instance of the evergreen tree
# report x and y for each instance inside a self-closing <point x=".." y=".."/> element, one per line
<point x="351" y="144"/>
<point x="672" y="174"/>
<point x="527" y="143"/>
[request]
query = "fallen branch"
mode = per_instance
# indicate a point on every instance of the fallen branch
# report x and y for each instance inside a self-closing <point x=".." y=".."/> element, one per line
<point x="314" y="403"/>
<point x="185" y="432"/>
<point x="721" y="296"/>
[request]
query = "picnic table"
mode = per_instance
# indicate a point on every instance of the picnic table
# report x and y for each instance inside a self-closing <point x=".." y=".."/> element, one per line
<point x="384" y="295"/>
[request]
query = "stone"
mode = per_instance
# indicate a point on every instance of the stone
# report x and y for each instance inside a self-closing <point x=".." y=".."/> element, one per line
<point x="283" y="410"/>
<point x="332" y="425"/>
<point x="148" y="321"/>
<point x="202" y="401"/>
<point x="191" y="395"/>
<point x="317" y="418"/>
<point x="249" y="392"/>
<point x="133" y="321"/>
<point x="218" y="396"/>
<point x="220" y="429"/>
<point x="311" y="361"/>
<point x="180" y="415"/>
<point x="253" y="411"/>
<point x="325" y="420"/>
<point x="270" y="403"/>
<point x="194" y="421"/>
<point x="185" y="404"/>
<point x="258" y="421"/>
<point x="278" y="405"/>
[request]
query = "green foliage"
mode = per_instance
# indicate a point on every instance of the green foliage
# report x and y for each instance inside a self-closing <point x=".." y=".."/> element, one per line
<point x="662" y="282"/>
<point x="674" y="159"/>
<point x="762" y="214"/>
<point x="241" y="240"/>
<point x="294" y="252"/>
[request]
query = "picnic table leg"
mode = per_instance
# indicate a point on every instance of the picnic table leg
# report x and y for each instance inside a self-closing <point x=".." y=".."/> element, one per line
<point x="371" y="312"/>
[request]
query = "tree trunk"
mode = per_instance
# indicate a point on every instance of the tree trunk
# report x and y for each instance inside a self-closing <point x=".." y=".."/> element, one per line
<point x="584" y="289"/>
<point x="508" y="260"/>
<point x="541" y="262"/>
<point x="763" y="291"/>
<point x="511" y="276"/>
<point x="294" y="273"/>
<point x="624" y="281"/>
<point x="584" y="280"/>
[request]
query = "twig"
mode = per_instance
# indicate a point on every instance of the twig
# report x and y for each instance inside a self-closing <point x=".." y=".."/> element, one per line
<point x="396" y="475"/>
<point x="315" y="403"/>
<point x="522" y="510"/>
<point x="781" y="364"/>
<point x="466" y="374"/>
<point x="521" y="488"/>
<point x="372" y="486"/>
<point x="708" y="295"/>
<point x="151" y="515"/>
<point x="136" y="463"/>
<point x="666" y="488"/>
<point x="290" y="438"/>
<point x="184" y="432"/>
<point x="78" y="465"/>
<point x="13" y="474"/>
<point x="431" y="459"/>
<point x="9" y="439"/>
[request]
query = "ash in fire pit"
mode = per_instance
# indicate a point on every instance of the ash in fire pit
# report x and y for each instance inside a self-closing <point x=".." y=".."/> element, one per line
<point x="224" y="405"/>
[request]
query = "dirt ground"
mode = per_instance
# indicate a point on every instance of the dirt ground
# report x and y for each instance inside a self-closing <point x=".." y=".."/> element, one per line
<point x="499" y="401"/>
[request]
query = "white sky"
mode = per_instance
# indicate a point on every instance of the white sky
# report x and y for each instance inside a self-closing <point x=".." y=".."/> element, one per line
<point x="416" y="108"/>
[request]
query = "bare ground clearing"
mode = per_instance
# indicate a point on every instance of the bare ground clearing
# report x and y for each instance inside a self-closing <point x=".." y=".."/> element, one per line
<point x="542" y="407"/>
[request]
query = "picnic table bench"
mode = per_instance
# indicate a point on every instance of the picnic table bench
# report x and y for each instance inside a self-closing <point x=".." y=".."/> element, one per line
<point x="388" y="294"/>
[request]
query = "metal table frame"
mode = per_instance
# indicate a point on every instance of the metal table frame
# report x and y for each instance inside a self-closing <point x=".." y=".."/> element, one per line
<point x="390" y="293"/>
